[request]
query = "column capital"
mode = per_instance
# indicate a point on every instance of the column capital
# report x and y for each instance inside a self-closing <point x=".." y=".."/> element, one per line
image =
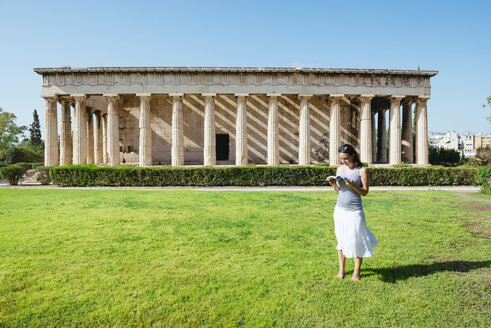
<point x="273" y="94"/>
<point x="52" y="98"/>
<point x="305" y="96"/>
<point x="241" y="95"/>
<point x="209" y="95"/>
<point x="176" y="95"/>
<point x="144" y="99"/>
<point x="407" y="101"/>
<point x="367" y="97"/>
<point x="144" y="95"/>
<point x="64" y="100"/>
<point x="397" y="97"/>
<point x="422" y="99"/>
<point x="79" y="96"/>
<point x="111" y="97"/>
<point x="340" y="95"/>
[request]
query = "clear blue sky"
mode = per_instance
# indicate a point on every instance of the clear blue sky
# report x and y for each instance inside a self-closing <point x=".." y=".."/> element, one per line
<point x="453" y="37"/>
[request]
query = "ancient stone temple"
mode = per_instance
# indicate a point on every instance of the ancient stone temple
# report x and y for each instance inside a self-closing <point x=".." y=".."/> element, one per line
<point x="233" y="115"/>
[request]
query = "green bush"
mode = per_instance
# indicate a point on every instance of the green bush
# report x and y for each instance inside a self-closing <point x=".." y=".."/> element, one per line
<point x="13" y="173"/>
<point x="91" y="175"/>
<point x="443" y="156"/>
<point x="27" y="166"/>
<point x="484" y="179"/>
<point x="21" y="154"/>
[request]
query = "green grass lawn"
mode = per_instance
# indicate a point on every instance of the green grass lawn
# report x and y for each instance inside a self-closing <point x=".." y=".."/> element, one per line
<point x="227" y="258"/>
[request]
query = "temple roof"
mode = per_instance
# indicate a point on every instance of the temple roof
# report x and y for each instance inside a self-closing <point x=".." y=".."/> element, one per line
<point x="67" y="69"/>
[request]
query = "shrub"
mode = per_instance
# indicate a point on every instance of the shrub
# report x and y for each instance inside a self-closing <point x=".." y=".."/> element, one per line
<point x="13" y="173"/>
<point x="398" y="166"/>
<point x="27" y="166"/>
<point x="91" y="175"/>
<point x="442" y="156"/>
<point x="483" y="155"/>
<point x="21" y="154"/>
<point x="484" y="179"/>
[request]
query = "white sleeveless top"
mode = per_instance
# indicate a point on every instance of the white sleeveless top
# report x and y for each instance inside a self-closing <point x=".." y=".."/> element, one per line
<point x="348" y="198"/>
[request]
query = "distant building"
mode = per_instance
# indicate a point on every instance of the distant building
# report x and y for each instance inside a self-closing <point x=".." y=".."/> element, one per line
<point x="468" y="145"/>
<point x="451" y="140"/>
<point x="434" y="139"/>
<point x="482" y="141"/>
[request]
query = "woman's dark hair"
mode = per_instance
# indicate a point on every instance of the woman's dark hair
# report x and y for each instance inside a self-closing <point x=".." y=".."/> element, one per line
<point x="348" y="149"/>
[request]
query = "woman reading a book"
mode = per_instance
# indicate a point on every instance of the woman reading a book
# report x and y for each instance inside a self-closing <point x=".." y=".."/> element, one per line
<point x="354" y="238"/>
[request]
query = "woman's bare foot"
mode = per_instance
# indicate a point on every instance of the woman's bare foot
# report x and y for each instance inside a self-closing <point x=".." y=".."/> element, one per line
<point x="355" y="278"/>
<point x="340" y="275"/>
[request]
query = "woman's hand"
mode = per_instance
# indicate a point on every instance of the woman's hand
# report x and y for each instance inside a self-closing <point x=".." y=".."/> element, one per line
<point x="334" y="184"/>
<point x="349" y="182"/>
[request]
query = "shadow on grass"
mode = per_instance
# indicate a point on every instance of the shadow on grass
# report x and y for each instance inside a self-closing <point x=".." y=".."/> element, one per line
<point x="392" y="275"/>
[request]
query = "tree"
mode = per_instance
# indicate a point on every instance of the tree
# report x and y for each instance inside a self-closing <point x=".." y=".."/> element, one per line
<point x="35" y="130"/>
<point x="443" y="156"/>
<point x="489" y="105"/>
<point x="9" y="131"/>
<point x="483" y="155"/>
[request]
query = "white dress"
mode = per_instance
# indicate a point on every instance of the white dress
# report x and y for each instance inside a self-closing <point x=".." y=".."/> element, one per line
<point x="352" y="234"/>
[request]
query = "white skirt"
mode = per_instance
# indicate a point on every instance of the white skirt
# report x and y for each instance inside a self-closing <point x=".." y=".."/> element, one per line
<point x="354" y="238"/>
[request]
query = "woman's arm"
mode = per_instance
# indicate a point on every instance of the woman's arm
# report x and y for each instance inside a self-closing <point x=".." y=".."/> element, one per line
<point x="363" y="191"/>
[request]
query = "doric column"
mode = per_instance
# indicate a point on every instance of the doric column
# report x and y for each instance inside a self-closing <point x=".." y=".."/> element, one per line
<point x="374" y="137"/>
<point x="177" y="149"/>
<point x="105" y="156"/>
<point x="51" y="140"/>
<point x="241" y="131"/>
<point x="395" y="130"/>
<point x="334" y="124"/>
<point x="113" y="130"/>
<point x="90" y="136"/>
<point x="382" y="137"/>
<point x="98" y="158"/>
<point x="422" y="132"/>
<point x="65" y="133"/>
<point x="304" y="142"/>
<point x="273" y="130"/>
<point x="407" y="130"/>
<point x="209" y="144"/>
<point x="145" y="153"/>
<point x="79" y="131"/>
<point x="366" y="129"/>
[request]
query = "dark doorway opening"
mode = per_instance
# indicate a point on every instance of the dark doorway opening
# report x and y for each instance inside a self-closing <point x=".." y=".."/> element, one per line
<point x="222" y="144"/>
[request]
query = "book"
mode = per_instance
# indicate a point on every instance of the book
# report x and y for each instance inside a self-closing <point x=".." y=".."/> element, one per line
<point x="338" y="178"/>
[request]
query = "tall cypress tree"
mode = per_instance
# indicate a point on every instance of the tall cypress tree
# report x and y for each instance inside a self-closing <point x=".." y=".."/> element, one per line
<point x="35" y="130"/>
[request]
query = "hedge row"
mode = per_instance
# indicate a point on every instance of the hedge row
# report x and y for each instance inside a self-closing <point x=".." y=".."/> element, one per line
<point x="483" y="178"/>
<point x="90" y="175"/>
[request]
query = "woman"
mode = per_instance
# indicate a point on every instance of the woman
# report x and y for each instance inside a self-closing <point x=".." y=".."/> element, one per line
<point x="354" y="238"/>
